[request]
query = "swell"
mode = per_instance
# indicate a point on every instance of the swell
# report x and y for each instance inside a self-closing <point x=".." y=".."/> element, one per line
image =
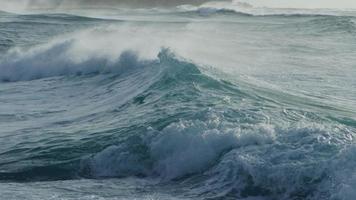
<point x="333" y="24"/>
<point x="314" y="20"/>
<point x="148" y="85"/>
<point x="43" y="16"/>
<point x="249" y="10"/>
<point x="225" y="11"/>
<point x="5" y="13"/>
<point x="62" y="16"/>
<point x="167" y="120"/>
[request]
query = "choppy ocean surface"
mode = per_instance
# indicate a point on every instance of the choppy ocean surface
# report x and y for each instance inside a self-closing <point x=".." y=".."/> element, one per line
<point x="188" y="103"/>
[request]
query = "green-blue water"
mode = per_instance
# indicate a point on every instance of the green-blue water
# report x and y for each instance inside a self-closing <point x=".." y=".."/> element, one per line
<point x="178" y="104"/>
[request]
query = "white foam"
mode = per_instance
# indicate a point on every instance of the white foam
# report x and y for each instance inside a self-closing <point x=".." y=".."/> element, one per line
<point x="265" y="9"/>
<point x="300" y="161"/>
<point x="98" y="49"/>
<point x="78" y="53"/>
<point x="182" y="148"/>
<point x="259" y="161"/>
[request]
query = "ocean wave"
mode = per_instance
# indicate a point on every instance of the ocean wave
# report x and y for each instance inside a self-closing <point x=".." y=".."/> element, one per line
<point x="115" y="48"/>
<point x="44" y="18"/>
<point x="56" y="60"/>
<point x="6" y="43"/>
<point x="293" y="13"/>
<point x="219" y="155"/>
<point x="333" y="24"/>
<point x="149" y="87"/>
<point x="245" y="9"/>
<point x="111" y="103"/>
<point x="304" y="167"/>
<point x="48" y="15"/>
<point x="260" y="160"/>
<point x="180" y="149"/>
<point x="5" y="13"/>
<point x="65" y="17"/>
<point x="220" y="159"/>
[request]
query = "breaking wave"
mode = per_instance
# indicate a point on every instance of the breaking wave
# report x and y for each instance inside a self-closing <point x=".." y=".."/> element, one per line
<point x="245" y="9"/>
<point x="55" y="61"/>
<point x="111" y="102"/>
<point x="220" y="156"/>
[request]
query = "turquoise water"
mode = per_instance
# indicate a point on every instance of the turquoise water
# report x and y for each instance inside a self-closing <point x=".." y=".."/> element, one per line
<point x="189" y="103"/>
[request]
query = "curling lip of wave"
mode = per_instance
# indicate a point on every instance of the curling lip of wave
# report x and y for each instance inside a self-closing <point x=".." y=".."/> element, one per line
<point x="211" y="143"/>
<point x="56" y="61"/>
<point x="180" y="149"/>
<point x="284" y="13"/>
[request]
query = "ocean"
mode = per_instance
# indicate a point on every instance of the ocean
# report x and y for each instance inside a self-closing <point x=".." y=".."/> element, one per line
<point x="190" y="102"/>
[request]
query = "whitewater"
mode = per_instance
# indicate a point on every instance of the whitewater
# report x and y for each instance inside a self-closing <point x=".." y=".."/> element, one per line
<point x="218" y="101"/>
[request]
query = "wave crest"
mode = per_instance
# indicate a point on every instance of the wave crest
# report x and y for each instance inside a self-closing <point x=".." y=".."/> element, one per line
<point x="243" y="8"/>
<point x="58" y="60"/>
<point x="180" y="149"/>
<point x="219" y="161"/>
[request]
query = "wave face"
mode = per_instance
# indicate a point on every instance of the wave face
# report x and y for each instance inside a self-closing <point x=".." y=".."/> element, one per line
<point x="243" y="8"/>
<point x="209" y="102"/>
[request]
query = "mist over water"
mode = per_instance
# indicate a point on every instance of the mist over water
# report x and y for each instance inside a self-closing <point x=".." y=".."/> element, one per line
<point x="212" y="100"/>
<point x="23" y="5"/>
